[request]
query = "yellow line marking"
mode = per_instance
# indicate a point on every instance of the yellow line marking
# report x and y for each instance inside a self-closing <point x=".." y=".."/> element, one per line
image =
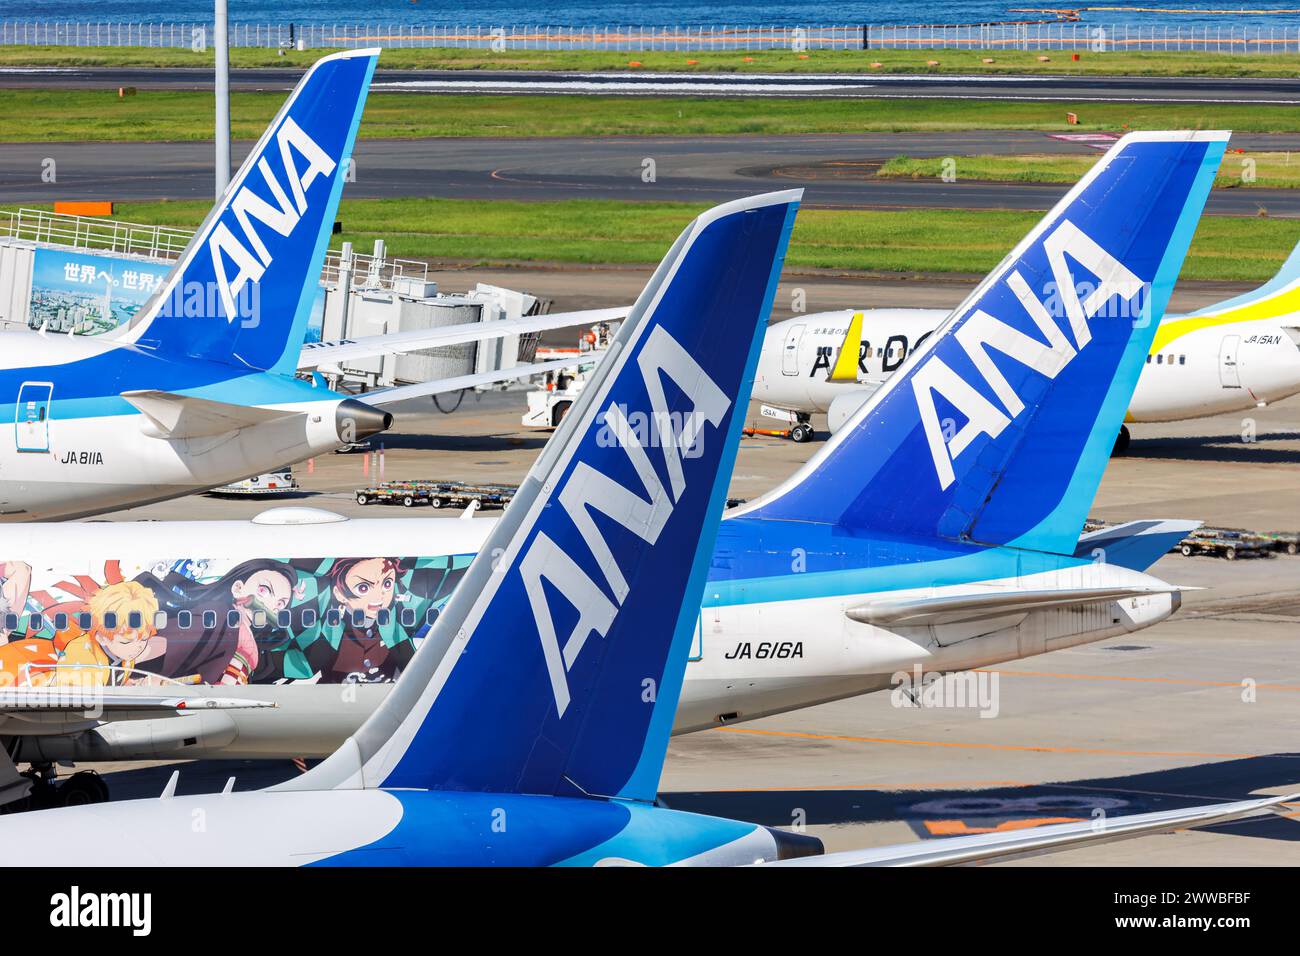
<point x="958" y="745"/>
<point x="1187" y="682"/>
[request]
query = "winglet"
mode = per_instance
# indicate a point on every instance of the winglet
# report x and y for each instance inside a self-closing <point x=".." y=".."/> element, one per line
<point x="846" y="365"/>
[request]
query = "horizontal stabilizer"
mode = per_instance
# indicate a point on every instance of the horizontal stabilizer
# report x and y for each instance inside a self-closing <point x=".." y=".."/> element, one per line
<point x="959" y="608"/>
<point x="987" y="847"/>
<point x="1135" y="544"/>
<point x="29" y="702"/>
<point x="316" y="354"/>
<point x="183" y="416"/>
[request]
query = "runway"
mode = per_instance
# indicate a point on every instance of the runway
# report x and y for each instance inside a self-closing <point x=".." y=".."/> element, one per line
<point x="1279" y="91"/>
<point x="836" y="170"/>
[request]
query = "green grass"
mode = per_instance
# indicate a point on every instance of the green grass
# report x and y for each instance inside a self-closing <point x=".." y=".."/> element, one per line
<point x="593" y="231"/>
<point x="762" y="61"/>
<point x="54" y="115"/>
<point x="1269" y="170"/>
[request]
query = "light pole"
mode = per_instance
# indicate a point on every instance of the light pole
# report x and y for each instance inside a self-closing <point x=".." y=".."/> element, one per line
<point x="223" y="97"/>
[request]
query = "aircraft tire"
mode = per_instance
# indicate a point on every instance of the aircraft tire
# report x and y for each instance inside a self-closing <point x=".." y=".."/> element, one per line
<point x="82" y="788"/>
<point x="1121" y="443"/>
<point x="801" y="433"/>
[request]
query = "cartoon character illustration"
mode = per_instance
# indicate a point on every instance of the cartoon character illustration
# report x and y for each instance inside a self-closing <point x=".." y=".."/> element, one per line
<point x="15" y="584"/>
<point x="215" y="631"/>
<point x="27" y="662"/>
<point x="365" y="643"/>
<point x="121" y="635"/>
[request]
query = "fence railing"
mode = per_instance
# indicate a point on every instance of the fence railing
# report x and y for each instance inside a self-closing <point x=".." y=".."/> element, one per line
<point x="1227" y="38"/>
<point x="93" y="234"/>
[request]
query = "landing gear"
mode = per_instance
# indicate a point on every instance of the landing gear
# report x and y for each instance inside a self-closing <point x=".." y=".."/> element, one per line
<point x="801" y="432"/>
<point x="80" y="789"/>
<point x="1121" y="443"/>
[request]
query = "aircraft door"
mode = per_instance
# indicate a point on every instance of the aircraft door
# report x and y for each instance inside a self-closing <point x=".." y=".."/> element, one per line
<point x="32" y="416"/>
<point x="1228" y="373"/>
<point x="790" y="354"/>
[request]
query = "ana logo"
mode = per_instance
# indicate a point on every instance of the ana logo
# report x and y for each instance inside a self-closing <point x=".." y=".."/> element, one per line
<point x="248" y="251"/>
<point x="982" y="332"/>
<point x="589" y="490"/>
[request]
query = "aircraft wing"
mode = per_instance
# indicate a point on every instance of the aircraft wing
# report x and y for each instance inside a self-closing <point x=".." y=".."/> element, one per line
<point x="957" y="608"/>
<point x="400" y="393"/>
<point x="989" y="847"/>
<point x="184" y="416"/>
<point x="316" y="354"/>
<point x="59" y="703"/>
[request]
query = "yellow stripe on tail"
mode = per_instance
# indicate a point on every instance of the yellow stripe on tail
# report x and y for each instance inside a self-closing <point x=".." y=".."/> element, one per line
<point x="846" y="366"/>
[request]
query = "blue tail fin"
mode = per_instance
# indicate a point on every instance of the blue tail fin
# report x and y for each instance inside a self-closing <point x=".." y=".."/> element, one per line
<point x="997" y="429"/>
<point x="243" y="289"/>
<point x="557" y="665"/>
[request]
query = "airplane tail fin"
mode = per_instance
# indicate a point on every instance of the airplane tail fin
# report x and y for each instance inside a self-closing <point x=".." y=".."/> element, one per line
<point x="1277" y="299"/>
<point x="243" y="289"/>
<point x="557" y="665"/>
<point x="997" y="429"/>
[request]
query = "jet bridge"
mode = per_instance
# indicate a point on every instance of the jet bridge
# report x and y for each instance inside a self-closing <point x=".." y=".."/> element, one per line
<point x="84" y="275"/>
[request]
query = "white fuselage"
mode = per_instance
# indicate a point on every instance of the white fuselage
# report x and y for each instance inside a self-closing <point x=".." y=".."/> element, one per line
<point x="1197" y="372"/>
<point x="749" y="659"/>
<point x="66" y="454"/>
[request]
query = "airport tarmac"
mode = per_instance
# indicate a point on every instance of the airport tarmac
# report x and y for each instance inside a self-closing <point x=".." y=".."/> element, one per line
<point x="835" y="170"/>
<point x="1278" y="91"/>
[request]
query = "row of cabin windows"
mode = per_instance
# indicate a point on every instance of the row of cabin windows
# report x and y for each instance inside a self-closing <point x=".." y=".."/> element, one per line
<point x="186" y="620"/>
<point x="1162" y="359"/>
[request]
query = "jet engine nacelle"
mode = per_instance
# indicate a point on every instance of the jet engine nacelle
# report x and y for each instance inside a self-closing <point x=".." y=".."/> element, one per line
<point x="843" y="407"/>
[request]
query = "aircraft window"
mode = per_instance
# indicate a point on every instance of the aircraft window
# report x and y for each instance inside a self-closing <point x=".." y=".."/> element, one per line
<point x="232" y="618"/>
<point x="110" y="621"/>
<point x="159" y="620"/>
<point x="407" y="617"/>
<point x="135" y="620"/>
<point x="1182" y="360"/>
<point x="308" y="618"/>
<point x="184" y="620"/>
<point x="83" y="620"/>
<point x="259" y="619"/>
<point x="283" y="619"/>
<point x="431" y="615"/>
<point x="332" y="617"/>
<point x="209" y="618"/>
<point x="382" y="617"/>
<point x="1148" y="359"/>
<point x="358" y="618"/>
<point x="1160" y="360"/>
<point x="11" y="622"/>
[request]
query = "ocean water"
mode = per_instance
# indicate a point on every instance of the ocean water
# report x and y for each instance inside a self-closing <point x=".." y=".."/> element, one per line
<point x="581" y="13"/>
